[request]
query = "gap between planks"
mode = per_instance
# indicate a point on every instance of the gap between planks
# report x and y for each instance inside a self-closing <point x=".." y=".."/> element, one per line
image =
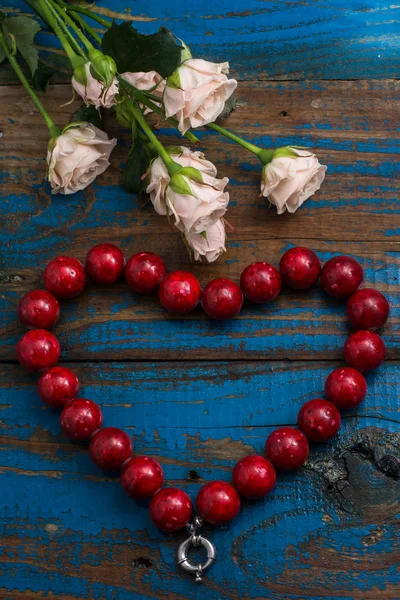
<point x="198" y="360"/>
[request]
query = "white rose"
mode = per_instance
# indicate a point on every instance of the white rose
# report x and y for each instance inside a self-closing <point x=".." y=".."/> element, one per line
<point x="76" y="157"/>
<point x="146" y="81"/>
<point x="93" y="92"/>
<point x="203" y="88"/>
<point x="210" y="243"/>
<point x="288" y="181"/>
<point x="196" y="206"/>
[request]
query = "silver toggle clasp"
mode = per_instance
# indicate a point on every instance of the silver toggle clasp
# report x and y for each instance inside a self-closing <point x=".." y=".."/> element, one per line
<point x="196" y="540"/>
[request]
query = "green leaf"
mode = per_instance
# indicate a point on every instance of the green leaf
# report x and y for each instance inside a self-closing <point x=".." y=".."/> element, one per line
<point x="134" y="51"/>
<point x="23" y="30"/>
<point x="138" y="163"/>
<point x="124" y="114"/>
<point x="42" y="76"/>
<point x="87" y="114"/>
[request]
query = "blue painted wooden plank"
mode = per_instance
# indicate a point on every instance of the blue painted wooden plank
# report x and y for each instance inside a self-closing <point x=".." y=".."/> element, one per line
<point x="329" y="531"/>
<point x="356" y="212"/>
<point x="113" y="324"/>
<point x="55" y="539"/>
<point x="249" y="394"/>
<point x="267" y="552"/>
<point x="278" y="39"/>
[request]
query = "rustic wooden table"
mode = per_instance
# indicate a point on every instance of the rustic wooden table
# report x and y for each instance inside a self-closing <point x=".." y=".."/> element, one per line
<point x="196" y="394"/>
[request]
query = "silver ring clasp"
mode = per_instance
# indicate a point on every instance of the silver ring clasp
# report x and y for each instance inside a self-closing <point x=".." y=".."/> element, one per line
<point x="196" y="541"/>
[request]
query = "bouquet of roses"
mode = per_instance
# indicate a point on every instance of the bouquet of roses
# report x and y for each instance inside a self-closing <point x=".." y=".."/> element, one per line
<point x="134" y="75"/>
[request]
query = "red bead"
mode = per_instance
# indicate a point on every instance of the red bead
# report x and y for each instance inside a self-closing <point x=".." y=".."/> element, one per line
<point x="222" y="299"/>
<point x="286" y="448"/>
<point x="300" y="268"/>
<point x="179" y="292"/>
<point x="110" y="448"/>
<point x="367" y="309"/>
<point x="39" y="309"/>
<point x="260" y="282"/>
<point x="218" y="502"/>
<point x="254" y="477"/>
<point x="364" y="350"/>
<point x="142" y="477"/>
<point x="57" y="386"/>
<point x="64" y="277"/>
<point x="171" y="509"/>
<point x="80" y="419"/>
<point x="319" y="420"/>
<point x="105" y="263"/>
<point x="345" y="387"/>
<point x="144" y="272"/>
<point x="341" y="276"/>
<point x="38" y="349"/>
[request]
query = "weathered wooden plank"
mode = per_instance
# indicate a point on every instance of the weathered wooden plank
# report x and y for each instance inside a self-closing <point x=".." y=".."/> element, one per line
<point x="329" y="531"/>
<point x="351" y="126"/>
<point x="198" y="419"/>
<point x="114" y="323"/>
<point x="355" y="213"/>
<point x="163" y="401"/>
<point x="267" y="40"/>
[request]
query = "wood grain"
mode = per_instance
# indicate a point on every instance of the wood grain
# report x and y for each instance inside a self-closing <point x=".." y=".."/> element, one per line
<point x="273" y="39"/>
<point x="329" y="531"/>
<point x="357" y="209"/>
<point x="198" y="420"/>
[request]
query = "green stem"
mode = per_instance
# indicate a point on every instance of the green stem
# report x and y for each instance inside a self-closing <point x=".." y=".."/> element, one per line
<point x="71" y="40"/>
<point x="63" y="14"/>
<point x="172" y="166"/>
<point x="142" y="96"/>
<point x="53" y="129"/>
<point x="38" y="10"/>
<point x="235" y="138"/>
<point x="79" y="21"/>
<point x="265" y="156"/>
<point x="151" y="96"/>
<point x="147" y="102"/>
<point x="53" y="22"/>
<point x="91" y="15"/>
<point x="84" y="25"/>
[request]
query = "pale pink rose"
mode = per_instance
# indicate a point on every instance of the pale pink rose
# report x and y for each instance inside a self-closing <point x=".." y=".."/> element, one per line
<point x="159" y="177"/>
<point x="146" y="81"/>
<point x="76" y="157"/>
<point x="200" y="98"/>
<point x="198" y="210"/>
<point x="288" y="181"/>
<point x="94" y="93"/>
<point x="210" y="243"/>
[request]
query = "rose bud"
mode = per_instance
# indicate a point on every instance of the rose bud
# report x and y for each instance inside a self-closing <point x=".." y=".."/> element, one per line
<point x="196" y="92"/>
<point x="77" y="156"/>
<point x="209" y="243"/>
<point x="92" y="90"/>
<point x="150" y="81"/>
<point x="290" y="177"/>
<point x="193" y="196"/>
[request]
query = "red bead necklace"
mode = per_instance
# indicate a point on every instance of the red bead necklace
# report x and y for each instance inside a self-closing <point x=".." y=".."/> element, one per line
<point x="286" y="448"/>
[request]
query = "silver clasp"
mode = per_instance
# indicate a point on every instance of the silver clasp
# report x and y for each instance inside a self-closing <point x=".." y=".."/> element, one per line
<point x="196" y="540"/>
